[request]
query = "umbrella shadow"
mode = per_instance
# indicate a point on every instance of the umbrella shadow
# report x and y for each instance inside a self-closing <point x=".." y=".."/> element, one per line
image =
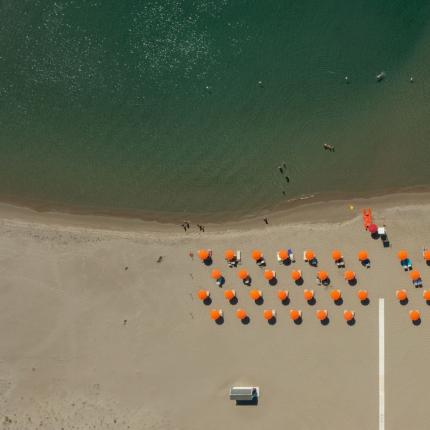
<point x="207" y="301"/>
<point x="326" y="282"/>
<point x="234" y="301"/>
<point x="417" y="322"/>
<point x="287" y="262"/>
<point x="286" y="302"/>
<point x="366" y="263"/>
<point x="428" y="262"/>
<point x="375" y="236"/>
<point x="259" y="301"/>
<point x="208" y="261"/>
<point x="220" y="320"/>
<point x="247" y="281"/>
<point x="299" y="282"/>
<point x="273" y="282"/>
<point x="312" y="301"/>
<point x="298" y="321"/>
<point x="325" y="321"/>
<point x="404" y="302"/>
<point x="272" y="321"/>
<point x="252" y="402"/>
<point x="351" y="322"/>
<point x="339" y="301"/>
<point x="365" y="302"/>
<point x="313" y="262"/>
<point x="246" y="320"/>
<point x="352" y="282"/>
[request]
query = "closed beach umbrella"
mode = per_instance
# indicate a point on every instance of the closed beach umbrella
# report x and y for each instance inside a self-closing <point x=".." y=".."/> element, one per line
<point x="229" y="294"/>
<point x="322" y="275"/>
<point x="336" y="255"/>
<point x="373" y="228"/>
<point x="295" y="314"/>
<point x="415" y="275"/>
<point x="282" y="295"/>
<point x="321" y="314"/>
<point x="349" y="275"/>
<point x="348" y="315"/>
<point x="426" y="295"/>
<point x="268" y="314"/>
<point x="229" y="255"/>
<point x="362" y="255"/>
<point x="269" y="275"/>
<point x="296" y="275"/>
<point x="426" y="255"/>
<point x="203" y="294"/>
<point x="256" y="255"/>
<point x="308" y="295"/>
<point x="402" y="255"/>
<point x="216" y="314"/>
<point x="362" y="295"/>
<point x="243" y="274"/>
<point x="414" y="315"/>
<point x="283" y="254"/>
<point x="216" y="274"/>
<point x="309" y="255"/>
<point x="335" y="295"/>
<point x="203" y="254"/>
<point x="401" y="295"/>
<point x="241" y="314"/>
<point x="255" y="294"/>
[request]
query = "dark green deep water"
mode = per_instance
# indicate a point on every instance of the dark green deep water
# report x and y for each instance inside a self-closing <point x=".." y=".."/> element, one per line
<point x="104" y="106"/>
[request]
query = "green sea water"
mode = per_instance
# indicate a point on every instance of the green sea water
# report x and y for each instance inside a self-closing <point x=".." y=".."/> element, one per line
<point x="154" y="106"/>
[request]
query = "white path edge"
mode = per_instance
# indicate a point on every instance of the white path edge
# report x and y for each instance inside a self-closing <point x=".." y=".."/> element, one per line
<point x="381" y="365"/>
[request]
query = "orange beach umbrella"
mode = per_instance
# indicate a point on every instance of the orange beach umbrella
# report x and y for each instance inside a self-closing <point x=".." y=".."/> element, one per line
<point x="203" y="294"/>
<point x="282" y="295"/>
<point x="349" y="275"/>
<point x="362" y="255"/>
<point x="241" y="314"/>
<point x="414" y="315"/>
<point x="426" y="254"/>
<point x="401" y="295"/>
<point x="268" y="314"/>
<point x="255" y="294"/>
<point x="308" y="295"/>
<point x="321" y="314"/>
<point x="229" y="294"/>
<point x="229" y="255"/>
<point x="322" y="275"/>
<point x="269" y="274"/>
<point x="295" y="314"/>
<point x="203" y="254"/>
<point x="426" y="295"/>
<point x="296" y="275"/>
<point x="216" y="274"/>
<point x="256" y="254"/>
<point x="309" y="255"/>
<point x="348" y="315"/>
<point x="216" y="314"/>
<point x="243" y="274"/>
<point x="283" y="254"/>
<point x="335" y="295"/>
<point x="362" y="295"/>
<point x="336" y="255"/>
<point x="402" y="254"/>
<point x="415" y="275"/>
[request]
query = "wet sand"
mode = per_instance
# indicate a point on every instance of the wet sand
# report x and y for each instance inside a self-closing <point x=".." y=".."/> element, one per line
<point x="68" y="358"/>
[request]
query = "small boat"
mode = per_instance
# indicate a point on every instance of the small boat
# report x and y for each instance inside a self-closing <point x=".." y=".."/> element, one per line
<point x="380" y="76"/>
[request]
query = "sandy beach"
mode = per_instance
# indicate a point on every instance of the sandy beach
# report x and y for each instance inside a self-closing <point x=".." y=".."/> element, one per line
<point x="96" y="334"/>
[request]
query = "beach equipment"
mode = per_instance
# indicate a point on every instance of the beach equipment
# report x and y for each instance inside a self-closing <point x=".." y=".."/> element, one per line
<point x="415" y="275"/>
<point x="401" y="295"/>
<point x="426" y="254"/>
<point x="362" y="295"/>
<point x="229" y="255"/>
<point x="203" y="294"/>
<point x="244" y="394"/>
<point x="282" y="295"/>
<point x="296" y="275"/>
<point x="257" y="255"/>
<point x="243" y="274"/>
<point x="367" y="218"/>
<point x="229" y="294"/>
<point x="216" y="274"/>
<point x="241" y="314"/>
<point x="322" y="276"/>
<point x="255" y="295"/>
<point x="426" y="295"/>
<point x="295" y="314"/>
<point x="216" y="314"/>
<point x="204" y="254"/>
<point x="282" y="255"/>
<point x="373" y="228"/>
<point x="349" y="275"/>
<point x="308" y="295"/>
<point x="402" y="255"/>
<point x="308" y="255"/>
<point x="321" y="314"/>
<point x="348" y="315"/>
<point x="336" y="255"/>
<point x="269" y="314"/>
<point x="335" y="295"/>
<point x="363" y="256"/>
<point x="269" y="274"/>
<point x="414" y="315"/>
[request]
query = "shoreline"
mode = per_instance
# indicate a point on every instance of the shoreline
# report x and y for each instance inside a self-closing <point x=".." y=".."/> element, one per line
<point x="314" y="211"/>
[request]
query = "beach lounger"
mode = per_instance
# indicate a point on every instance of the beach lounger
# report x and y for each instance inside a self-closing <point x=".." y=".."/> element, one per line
<point x="238" y="257"/>
<point x="291" y="256"/>
<point x="210" y="253"/>
<point x="261" y="262"/>
<point x="280" y="260"/>
<point x="418" y="283"/>
<point x="381" y="231"/>
<point x="304" y="257"/>
<point x="340" y="263"/>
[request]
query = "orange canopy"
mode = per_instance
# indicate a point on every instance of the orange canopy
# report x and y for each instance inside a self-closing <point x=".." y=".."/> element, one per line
<point x="294" y="314"/>
<point x="243" y="274"/>
<point x="335" y="295"/>
<point x="349" y="275"/>
<point x="229" y="294"/>
<point x="415" y="275"/>
<point x="309" y="254"/>
<point x="215" y="314"/>
<point x="268" y="314"/>
<point x="348" y="315"/>
<point x="296" y="275"/>
<point x="203" y="254"/>
<point x="282" y="295"/>
<point x="229" y="254"/>
<point x="321" y="314"/>
<point x="362" y="255"/>
<point x="426" y="295"/>
<point x="255" y="294"/>
<point x="336" y="255"/>
<point x="308" y="295"/>
<point x="402" y="254"/>
<point x="362" y="295"/>
<point x="241" y="314"/>
<point x="401" y="295"/>
<point x="268" y="274"/>
<point x="202" y="294"/>
<point x="283" y="254"/>
<point x="216" y="274"/>
<point x="256" y="254"/>
<point x="426" y="254"/>
<point x="414" y="315"/>
<point x="322" y="275"/>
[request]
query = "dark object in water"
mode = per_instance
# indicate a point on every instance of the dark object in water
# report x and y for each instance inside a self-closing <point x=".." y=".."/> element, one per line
<point x="380" y="76"/>
<point x="328" y="147"/>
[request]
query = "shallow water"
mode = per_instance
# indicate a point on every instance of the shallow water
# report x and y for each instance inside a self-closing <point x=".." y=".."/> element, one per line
<point x="156" y="106"/>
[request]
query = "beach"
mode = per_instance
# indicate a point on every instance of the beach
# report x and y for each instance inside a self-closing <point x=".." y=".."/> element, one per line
<point x="97" y="334"/>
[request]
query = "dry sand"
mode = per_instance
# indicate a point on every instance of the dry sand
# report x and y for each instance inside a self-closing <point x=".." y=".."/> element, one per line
<point x="68" y="360"/>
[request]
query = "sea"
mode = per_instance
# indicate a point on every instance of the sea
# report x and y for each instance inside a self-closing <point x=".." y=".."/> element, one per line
<point x="171" y="109"/>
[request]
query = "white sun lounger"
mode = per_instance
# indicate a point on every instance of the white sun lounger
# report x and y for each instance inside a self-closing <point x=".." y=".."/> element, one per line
<point x="280" y="260"/>
<point x="238" y="257"/>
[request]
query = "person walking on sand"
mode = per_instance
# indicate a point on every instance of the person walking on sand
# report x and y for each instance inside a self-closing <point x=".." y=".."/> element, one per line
<point x="266" y="220"/>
